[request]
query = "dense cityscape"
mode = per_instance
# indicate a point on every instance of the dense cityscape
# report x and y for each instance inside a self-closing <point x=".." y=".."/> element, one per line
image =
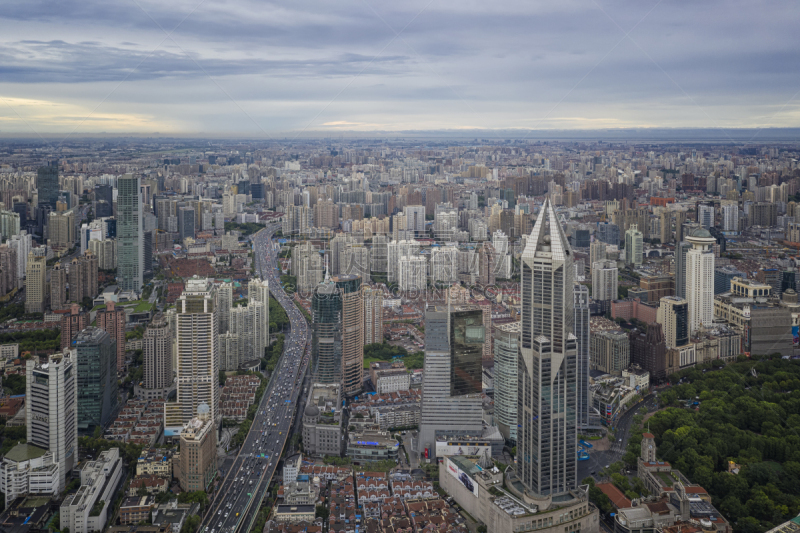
<point x="399" y="336"/>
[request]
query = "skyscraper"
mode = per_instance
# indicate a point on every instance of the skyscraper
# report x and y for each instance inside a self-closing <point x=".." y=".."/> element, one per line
<point x="681" y="248"/>
<point x="634" y="246"/>
<point x="97" y="379"/>
<point x="451" y="387"/>
<point x="47" y="185"/>
<point x="581" y="302"/>
<point x="157" y="348"/>
<point x="35" y="283"/>
<point x="506" y="347"/>
<point x="700" y="279"/>
<point x="58" y="287"/>
<point x="673" y="315"/>
<point x="130" y="234"/>
<point x="186" y="220"/>
<point x="258" y="291"/>
<point x="547" y="412"/>
<point x="198" y="353"/>
<point x="349" y="290"/>
<point x="51" y="409"/>
<point x="224" y="304"/>
<point x="112" y="320"/>
<point x="373" y="315"/>
<point x="605" y="280"/>
<point x="326" y="332"/>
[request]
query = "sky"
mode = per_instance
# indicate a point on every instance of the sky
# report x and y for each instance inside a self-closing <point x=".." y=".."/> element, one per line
<point x="258" y="68"/>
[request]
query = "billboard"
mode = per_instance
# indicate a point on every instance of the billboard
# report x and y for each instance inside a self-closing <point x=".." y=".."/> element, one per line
<point x="471" y="447"/>
<point x="462" y="477"/>
<point x="796" y="334"/>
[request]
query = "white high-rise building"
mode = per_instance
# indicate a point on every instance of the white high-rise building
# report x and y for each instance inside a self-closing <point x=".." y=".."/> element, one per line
<point x="634" y="246"/>
<point x="246" y="321"/>
<point x="700" y="279"/>
<point x="22" y="243"/>
<point x="396" y="250"/>
<point x="197" y="353"/>
<point x="547" y="437"/>
<point x="258" y="291"/>
<point x="705" y="215"/>
<point x="412" y="273"/>
<point x="415" y="218"/>
<point x="730" y="217"/>
<point x="51" y="410"/>
<point x="224" y="304"/>
<point x="444" y="264"/>
<point x="605" y="281"/>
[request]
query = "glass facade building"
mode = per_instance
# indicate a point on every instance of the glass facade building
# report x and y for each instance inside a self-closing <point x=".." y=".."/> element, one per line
<point x="467" y="336"/>
<point x="326" y="331"/>
<point x="47" y="185"/>
<point x="97" y="379"/>
<point x="130" y="238"/>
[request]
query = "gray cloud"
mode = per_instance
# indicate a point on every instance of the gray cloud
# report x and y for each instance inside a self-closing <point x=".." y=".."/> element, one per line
<point x="457" y="64"/>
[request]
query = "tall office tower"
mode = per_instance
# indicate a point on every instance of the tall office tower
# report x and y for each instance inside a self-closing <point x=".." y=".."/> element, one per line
<point x="705" y="215"/>
<point x="506" y="346"/>
<point x="605" y="280"/>
<point x="103" y="201"/>
<point x="224" y="304"/>
<point x="72" y="323"/>
<point x="97" y="379"/>
<point x="610" y="351"/>
<point x="486" y="262"/>
<point x="680" y="220"/>
<point x="452" y="382"/>
<point x="349" y="290"/>
<point x="197" y="353"/>
<point x="35" y="284"/>
<point x="673" y="315"/>
<point x="258" y="291"/>
<point x="373" y="315"/>
<point x="326" y="332"/>
<point x="547" y="438"/>
<point x="112" y="320"/>
<point x="415" y="219"/>
<point x="700" y="279"/>
<point x="634" y="246"/>
<point x="681" y="249"/>
<point x="666" y="226"/>
<point x="730" y="217"/>
<point x="157" y="348"/>
<point x="597" y="252"/>
<point x="130" y="238"/>
<point x="47" y="185"/>
<point x="58" y="287"/>
<point x="186" y="221"/>
<point x="581" y="303"/>
<point x="51" y="410"/>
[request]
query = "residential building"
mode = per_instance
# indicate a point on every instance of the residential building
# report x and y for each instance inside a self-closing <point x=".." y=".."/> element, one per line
<point x="605" y="280"/>
<point x="610" y="351"/>
<point x="112" y="321"/>
<point x="157" y="348"/>
<point x="634" y="246"/>
<point x="349" y="290"/>
<point x="58" y="287"/>
<point x="73" y="321"/>
<point x="412" y="273"/>
<point x="648" y="351"/>
<point x="373" y="314"/>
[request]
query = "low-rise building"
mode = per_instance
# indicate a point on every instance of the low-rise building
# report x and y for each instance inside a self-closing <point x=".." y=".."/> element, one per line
<point x="86" y="510"/>
<point x="322" y="421"/>
<point x="28" y="469"/>
<point x="389" y="377"/>
<point x="155" y="462"/>
<point x="152" y="484"/>
<point x="135" y="509"/>
<point x="294" y="513"/>
<point x="371" y="445"/>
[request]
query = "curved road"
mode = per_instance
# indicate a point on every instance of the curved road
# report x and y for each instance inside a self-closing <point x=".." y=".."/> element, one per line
<point x="235" y="505"/>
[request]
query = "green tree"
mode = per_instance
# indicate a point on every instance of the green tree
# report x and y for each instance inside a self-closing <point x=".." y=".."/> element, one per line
<point x="321" y="512"/>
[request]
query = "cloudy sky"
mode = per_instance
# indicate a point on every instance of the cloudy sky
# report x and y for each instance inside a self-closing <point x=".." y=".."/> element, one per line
<point x="248" y="67"/>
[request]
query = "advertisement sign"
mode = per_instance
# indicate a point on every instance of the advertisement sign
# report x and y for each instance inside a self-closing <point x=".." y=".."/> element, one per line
<point x="796" y="334"/>
<point x="445" y="448"/>
<point x="462" y="477"/>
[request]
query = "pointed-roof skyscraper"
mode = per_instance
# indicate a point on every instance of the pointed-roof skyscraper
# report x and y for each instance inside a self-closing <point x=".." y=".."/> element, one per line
<point x="548" y="393"/>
